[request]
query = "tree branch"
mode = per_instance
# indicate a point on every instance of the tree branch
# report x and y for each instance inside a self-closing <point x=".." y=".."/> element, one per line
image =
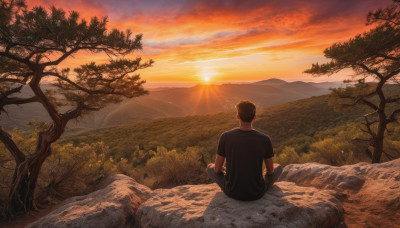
<point x="75" y="113"/>
<point x="388" y="57"/>
<point x="17" y="101"/>
<point x="393" y="116"/>
<point x="89" y="91"/>
<point x="18" y="59"/>
<point x="372" y="71"/>
<point x="360" y="100"/>
<point x="63" y="57"/>
<point x="370" y="104"/>
<point x="42" y="50"/>
<point x="11" y="91"/>
<point x="393" y="100"/>
<point x="393" y="73"/>
<point x="12" y="80"/>
<point x="51" y="110"/>
<point x="11" y="146"/>
<point x="368" y="125"/>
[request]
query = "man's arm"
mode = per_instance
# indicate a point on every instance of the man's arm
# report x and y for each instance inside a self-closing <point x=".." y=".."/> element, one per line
<point x="269" y="163"/>
<point x="219" y="162"/>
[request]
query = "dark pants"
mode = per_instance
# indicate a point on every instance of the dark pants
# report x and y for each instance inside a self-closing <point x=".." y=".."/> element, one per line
<point x="219" y="178"/>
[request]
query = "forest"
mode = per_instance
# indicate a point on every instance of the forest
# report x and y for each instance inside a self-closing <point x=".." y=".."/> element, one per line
<point x="167" y="152"/>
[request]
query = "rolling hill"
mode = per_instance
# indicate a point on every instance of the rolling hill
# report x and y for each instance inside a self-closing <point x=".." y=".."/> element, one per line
<point x="289" y="124"/>
<point x="174" y="102"/>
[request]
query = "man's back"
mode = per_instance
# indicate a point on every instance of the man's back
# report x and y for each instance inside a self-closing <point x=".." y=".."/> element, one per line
<point x="244" y="151"/>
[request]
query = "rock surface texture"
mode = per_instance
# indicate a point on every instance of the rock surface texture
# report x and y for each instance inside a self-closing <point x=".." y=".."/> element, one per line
<point x="370" y="193"/>
<point x="113" y="205"/>
<point x="306" y="195"/>
<point x="285" y="205"/>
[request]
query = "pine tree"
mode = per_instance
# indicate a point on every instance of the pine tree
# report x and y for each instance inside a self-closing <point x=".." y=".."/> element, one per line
<point x="374" y="54"/>
<point x="33" y="43"/>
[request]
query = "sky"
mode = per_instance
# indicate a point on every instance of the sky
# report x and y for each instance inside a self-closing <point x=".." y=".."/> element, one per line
<point x="228" y="40"/>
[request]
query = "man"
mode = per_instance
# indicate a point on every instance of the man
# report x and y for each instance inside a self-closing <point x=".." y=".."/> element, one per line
<point x="244" y="150"/>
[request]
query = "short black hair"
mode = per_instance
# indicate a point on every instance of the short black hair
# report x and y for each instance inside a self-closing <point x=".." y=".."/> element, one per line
<point x="246" y="110"/>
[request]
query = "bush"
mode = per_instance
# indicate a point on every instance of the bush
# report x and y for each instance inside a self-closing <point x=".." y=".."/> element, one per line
<point x="170" y="168"/>
<point x="68" y="171"/>
<point x="287" y="156"/>
<point x="73" y="171"/>
<point x="343" y="148"/>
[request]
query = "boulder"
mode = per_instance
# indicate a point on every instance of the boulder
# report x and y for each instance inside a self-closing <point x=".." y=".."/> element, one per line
<point x="284" y="205"/>
<point x="113" y="205"/>
<point x="370" y="192"/>
<point x="306" y="195"/>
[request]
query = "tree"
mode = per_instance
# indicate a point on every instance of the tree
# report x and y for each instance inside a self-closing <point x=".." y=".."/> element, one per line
<point x="33" y="43"/>
<point x="373" y="54"/>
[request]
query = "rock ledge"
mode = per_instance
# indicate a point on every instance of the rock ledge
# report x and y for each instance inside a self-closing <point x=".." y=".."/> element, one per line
<point x="114" y="205"/>
<point x="285" y="205"/>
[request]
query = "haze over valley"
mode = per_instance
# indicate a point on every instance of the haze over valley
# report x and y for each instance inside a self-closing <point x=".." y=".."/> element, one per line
<point x="173" y="102"/>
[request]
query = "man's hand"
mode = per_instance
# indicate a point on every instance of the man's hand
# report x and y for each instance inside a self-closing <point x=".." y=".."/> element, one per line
<point x="219" y="162"/>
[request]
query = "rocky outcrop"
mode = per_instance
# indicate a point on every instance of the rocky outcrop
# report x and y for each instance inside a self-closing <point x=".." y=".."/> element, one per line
<point x="113" y="205"/>
<point x="370" y="193"/>
<point x="306" y="195"/>
<point x="285" y="205"/>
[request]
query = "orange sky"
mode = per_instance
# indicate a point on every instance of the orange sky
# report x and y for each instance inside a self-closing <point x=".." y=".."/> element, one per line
<point x="229" y="40"/>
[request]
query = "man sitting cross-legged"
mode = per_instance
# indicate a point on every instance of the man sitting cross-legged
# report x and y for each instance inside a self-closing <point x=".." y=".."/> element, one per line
<point x="244" y="150"/>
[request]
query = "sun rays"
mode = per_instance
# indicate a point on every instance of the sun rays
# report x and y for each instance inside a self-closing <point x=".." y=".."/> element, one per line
<point x="206" y="74"/>
<point x="208" y="98"/>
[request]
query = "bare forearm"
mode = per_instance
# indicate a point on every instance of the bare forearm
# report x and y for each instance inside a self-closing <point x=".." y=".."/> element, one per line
<point x="269" y="163"/>
<point x="219" y="162"/>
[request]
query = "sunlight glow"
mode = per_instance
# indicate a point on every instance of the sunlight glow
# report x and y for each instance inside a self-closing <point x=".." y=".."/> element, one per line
<point x="206" y="73"/>
<point x="203" y="96"/>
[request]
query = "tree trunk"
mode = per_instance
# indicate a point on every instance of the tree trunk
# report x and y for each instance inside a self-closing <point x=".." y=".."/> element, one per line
<point x="378" y="150"/>
<point x="21" y="196"/>
<point x="380" y="133"/>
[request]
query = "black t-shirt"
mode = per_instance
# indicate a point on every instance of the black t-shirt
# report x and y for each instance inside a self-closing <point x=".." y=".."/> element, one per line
<point x="245" y="152"/>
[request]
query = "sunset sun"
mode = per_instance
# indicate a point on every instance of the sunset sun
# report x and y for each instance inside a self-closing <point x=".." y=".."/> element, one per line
<point x="206" y="74"/>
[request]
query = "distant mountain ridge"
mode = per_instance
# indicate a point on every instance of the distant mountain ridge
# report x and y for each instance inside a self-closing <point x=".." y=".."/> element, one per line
<point x="271" y="81"/>
<point x="174" y="102"/>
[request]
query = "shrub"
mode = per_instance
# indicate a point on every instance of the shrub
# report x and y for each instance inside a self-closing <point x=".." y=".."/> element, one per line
<point x="287" y="156"/>
<point x="170" y="168"/>
<point x="73" y="171"/>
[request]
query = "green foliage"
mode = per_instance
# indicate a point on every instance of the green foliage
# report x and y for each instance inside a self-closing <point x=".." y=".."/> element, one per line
<point x="374" y="54"/>
<point x="98" y="85"/>
<point x="33" y="44"/>
<point x="332" y="151"/>
<point x="140" y="157"/>
<point x="70" y="170"/>
<point x="49" y="31"/>
<point x="73" y="171"/>
<point x="302" y="131"/>
<point x="294" y="128"/>
<point x="346" y="97"/>
<point x="364" y="54"/>
<point x="340" y="145"/>
<point x="170" y="168"/>
<point x="287" y="156"/>
<point x="290" y="124"/>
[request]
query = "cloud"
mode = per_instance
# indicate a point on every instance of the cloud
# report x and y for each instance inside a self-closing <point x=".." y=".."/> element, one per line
<point x="86" y="8"/>
<point x="185" y="30"/>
